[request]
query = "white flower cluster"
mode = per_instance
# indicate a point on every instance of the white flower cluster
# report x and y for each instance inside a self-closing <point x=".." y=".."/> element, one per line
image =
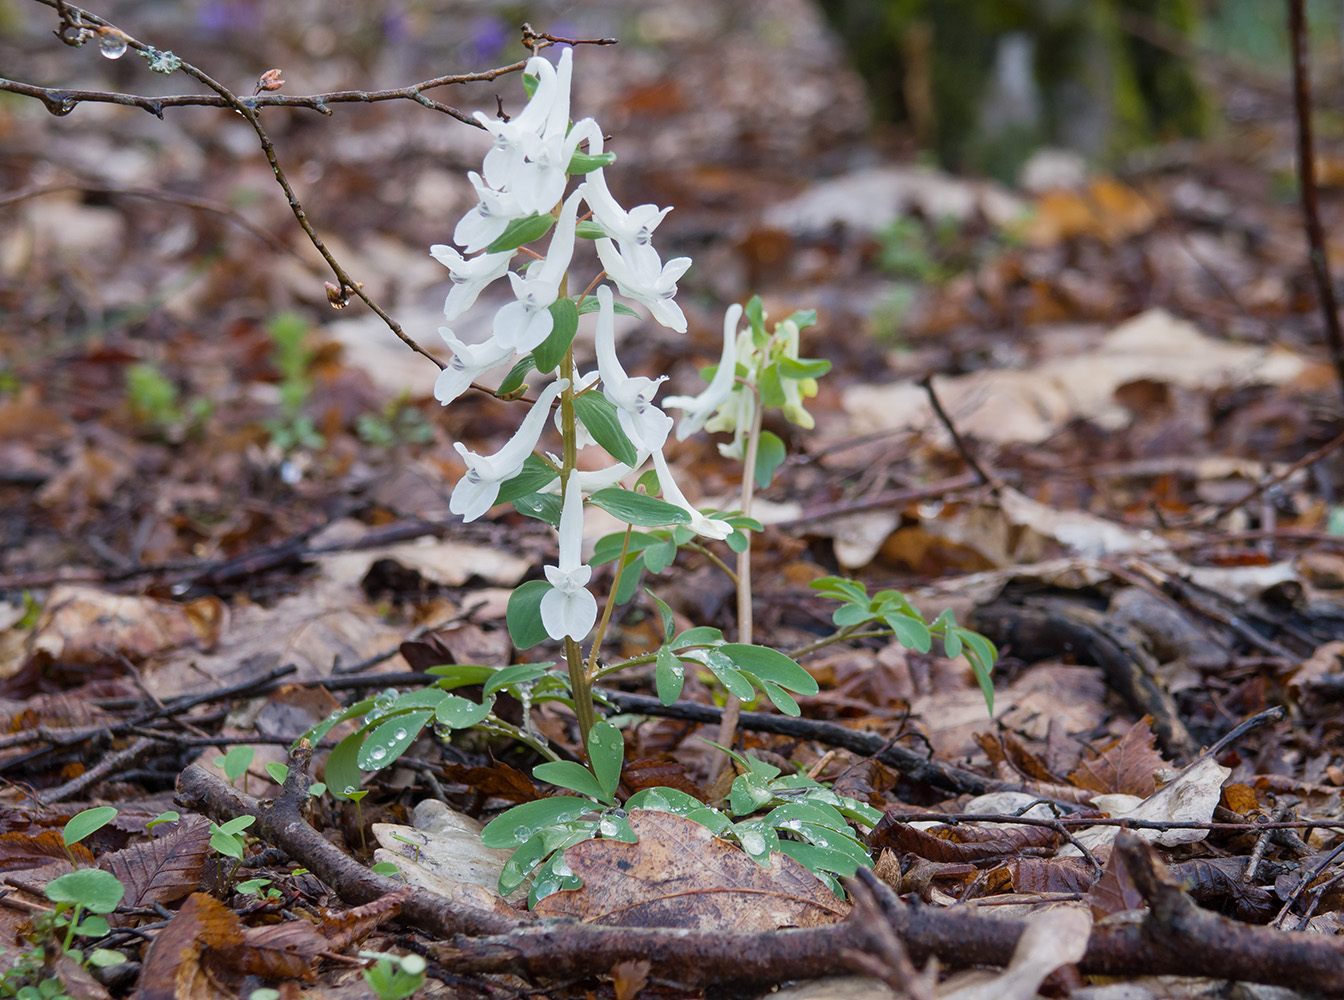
<point x="525" y="175"/>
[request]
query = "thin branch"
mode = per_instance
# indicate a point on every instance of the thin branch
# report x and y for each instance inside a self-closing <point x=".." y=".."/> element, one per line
<point x="1306" y="174"/>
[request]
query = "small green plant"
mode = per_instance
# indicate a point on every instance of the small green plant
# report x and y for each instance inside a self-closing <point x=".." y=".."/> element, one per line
<point x="254" y="887"/>
<point x="397" y="423"/>
<point x="85" y="891"/>
<point x="156" y="401"/>
<point x="293" y="429"/>
<point x="171" y="816"/>
<point x="82" y="825"/>
<point x="227" y="838"/>
<point x="394" y="977"/>
<point x="235" y="763"/>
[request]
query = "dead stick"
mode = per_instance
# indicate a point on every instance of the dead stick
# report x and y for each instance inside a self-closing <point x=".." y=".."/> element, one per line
<point x="926" y="383"/>
<point x="1306" y="172"/>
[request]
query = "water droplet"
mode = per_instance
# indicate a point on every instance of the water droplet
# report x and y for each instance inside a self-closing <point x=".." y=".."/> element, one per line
<point x="616" y="813"/>
<point x="111" y="43"/>
<point x="546" y="887"/>
<point x="607" y="827"/>
<point x="656" y="802"/>
<point x="561" y="867"/>
<point x="377" y="753"/>
<point x="400" y="734"/>
<point x="522" y="834"/>
<point x="752" y="842"/>
<point x="791" y="824"/>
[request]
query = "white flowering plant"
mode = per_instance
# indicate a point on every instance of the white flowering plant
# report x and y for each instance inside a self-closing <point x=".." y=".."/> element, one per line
<point x="524" y="195"/>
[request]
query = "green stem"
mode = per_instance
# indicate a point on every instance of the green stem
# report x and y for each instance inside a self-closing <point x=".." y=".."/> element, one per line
<point x="733" y="707"/>
<point x="611" y="603"/>
<point x="695" y="546"/>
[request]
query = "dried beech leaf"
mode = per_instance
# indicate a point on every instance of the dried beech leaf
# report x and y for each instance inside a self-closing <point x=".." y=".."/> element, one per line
<point x="681" y="875"/>
<point x="357" y="923"/>
<point x="628" y="978"/>
<point x="973" y="843"/>
<point x="163" y="870"/>
<point x="24" y="850"/>
<point x="1128" y="766"/>
<point x="173" y="969"/>
<point x="1219" y="880"/>
<point x="1115" y="891"/>
<point x="1050" y="874"/>
<point x="1054" y="937"/>
<point x="287" y="951"/>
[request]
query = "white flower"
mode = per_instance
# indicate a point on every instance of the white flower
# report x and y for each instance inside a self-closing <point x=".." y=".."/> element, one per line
<point x="644" y="424"/>
<point x="697" y="409"/>
<point x="633" y="230"/>
<point x="642" y="276"/>
<point x="475" y="492"/>
<point x="526" y="322"/>
<point x="470" y="275"/>
<point x="487" y="221"/>
<point x="509" y="150"/>
<point x="568" y="610"/>
<point x="469" y="362"/>
<point x="709" y="527"/>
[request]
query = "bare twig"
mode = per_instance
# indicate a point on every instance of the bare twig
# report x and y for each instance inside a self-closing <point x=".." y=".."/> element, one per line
<point x="1306" y="173"/>
<point x="963" y="449"/>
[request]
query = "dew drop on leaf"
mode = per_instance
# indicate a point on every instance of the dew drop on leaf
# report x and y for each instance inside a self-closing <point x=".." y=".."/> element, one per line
<point x="753" y="842"/>
<point x="377" y="753"/>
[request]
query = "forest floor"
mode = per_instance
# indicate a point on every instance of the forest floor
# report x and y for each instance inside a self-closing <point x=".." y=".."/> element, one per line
<point x="1094" y="417"/>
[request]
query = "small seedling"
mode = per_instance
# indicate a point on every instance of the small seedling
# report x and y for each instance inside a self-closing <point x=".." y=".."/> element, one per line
<point x="394" y="977"/>
<point x="83" y="824"/>
<point x="235" y="763"/>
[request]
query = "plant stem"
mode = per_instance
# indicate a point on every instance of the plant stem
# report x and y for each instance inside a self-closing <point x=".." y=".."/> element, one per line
<point x="580" y="682"/>
<point x="733" y="707"/>
<point x="611" y="603"/>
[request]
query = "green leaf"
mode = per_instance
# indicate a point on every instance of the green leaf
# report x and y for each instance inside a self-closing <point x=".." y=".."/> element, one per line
<point x="755" y="313"/>
<point x="638" y="509"/>
<point x="841" y="589"/>
<point x="589" y="230"/>
<point x="758" y="840"/>
<point x="519" y="824"/>
<point x="236" y="762"/>
<point x="803" y="318"/>
<point x="816" y="814"/>
<point x="606" y="753"/>
<point x="277" y="771"/>
<point x="608" y="548"/>
<point x="723" y="670"/>
<point x="665" y="612"/>
<point x="419" y="698"/>
<point x="519" y="673"/>
<point x="590" y="303"/>
<point x="565" y="323"/>
<point x="669" y="676"/>
<point x="582" y="163"/>
<point x="572" y="776"/>
<point x="536" y="475"/>
<point x="524" y="614"/>
<point x="909" y="632"/>
<point x="799" y="368"/>
<point x="236" y="825"/>
<point x="521" y="231"/>
<point x="772" y="393"/>
<point x="661" y="799"/>
<point x="92" y="888"/>
<point x="461" y="713"/>
<point x="658" y="557"/>
<point x="770" y="455"/>
<point x="598" y="414"/>
<point x="389" y="740"/>
<point x="84" y="823"/>
<point x="342" y="772"/>
<point x="631" y="574"/>
<point x="822" y="859"/>
<point x="513" y="381"/>
<point x="359" y="708"/>
<point x="701" y="635"/>
<point x="543" y="506"/>
<point x="455" y="675"/>
<point x="781" y="699"/>
<point x="520" y="864"/>
<point x="772" y="665"/>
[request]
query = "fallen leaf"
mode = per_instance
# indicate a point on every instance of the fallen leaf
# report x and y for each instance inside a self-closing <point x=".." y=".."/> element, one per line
<point x="681" y="875"/>
<point x="1129" y="765"/>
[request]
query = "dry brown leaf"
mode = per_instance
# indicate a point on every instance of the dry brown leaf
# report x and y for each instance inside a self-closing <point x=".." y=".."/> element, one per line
<point x="24" y="850"/>
<point x="681" y="875"/>
<point x="173" y="968"/>
<point x="1129" y="765"/>
<point x="960" y="843"/>
<point x="84" y="625"/>
<point x="162" y="870"/>
<point x="628" y="978"/>
<point x="357" y="923"/>
<point x="1115" y="891"/>
<point x="1050" y="874"/>
<point x="289" y="951"/>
